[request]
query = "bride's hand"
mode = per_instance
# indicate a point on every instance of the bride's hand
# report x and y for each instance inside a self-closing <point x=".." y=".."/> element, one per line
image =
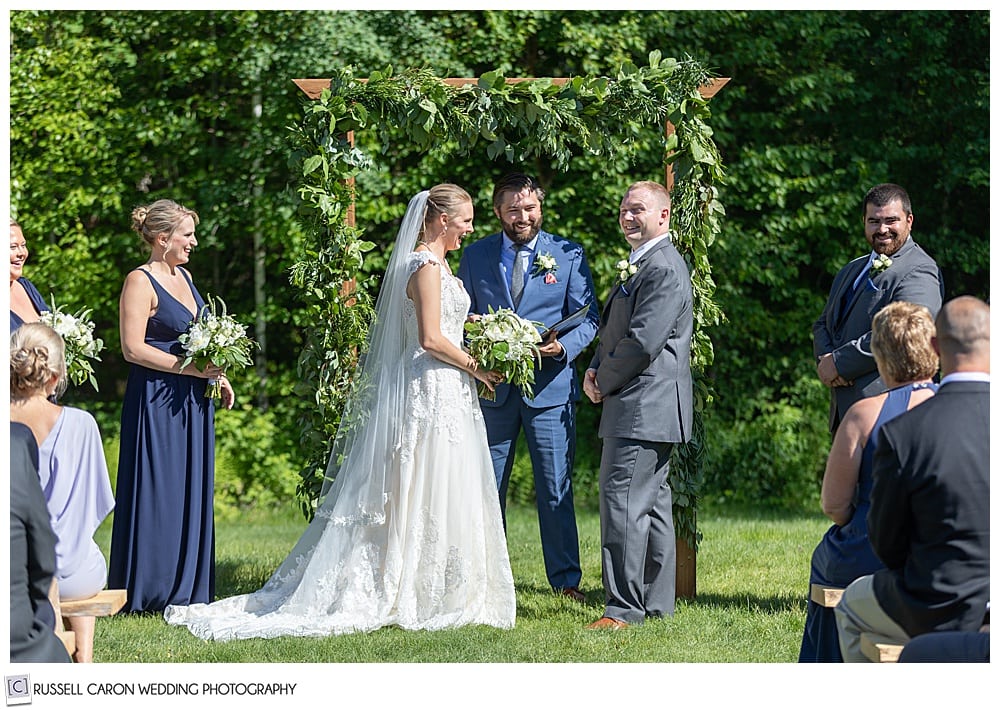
<point x="490" y="378"/>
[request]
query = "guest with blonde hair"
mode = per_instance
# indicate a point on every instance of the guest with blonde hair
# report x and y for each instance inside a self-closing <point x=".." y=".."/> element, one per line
<point x="71" y="468"/>
<point x="901" y="344"/>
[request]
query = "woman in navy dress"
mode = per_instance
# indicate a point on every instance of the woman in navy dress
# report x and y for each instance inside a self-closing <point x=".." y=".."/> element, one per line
<point x="26" y="303"/>
<point x="901" y="345"/>
<point x="163" y="537"/>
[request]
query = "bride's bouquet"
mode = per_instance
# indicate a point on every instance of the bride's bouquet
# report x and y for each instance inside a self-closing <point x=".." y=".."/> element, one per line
<point x="504" y="341"/>
<point x="77" y="332"/>
<point x="218" y="338"/>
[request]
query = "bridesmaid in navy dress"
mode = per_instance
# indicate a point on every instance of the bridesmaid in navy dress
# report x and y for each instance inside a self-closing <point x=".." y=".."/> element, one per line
<point x="26" y="303"/>
<point x="901" y="344"/>
<point x="163" y="537"/>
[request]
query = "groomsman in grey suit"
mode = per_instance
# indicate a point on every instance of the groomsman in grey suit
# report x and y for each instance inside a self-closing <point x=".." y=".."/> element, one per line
<point x="896" y="269"/>
<point x="641" y="373"/>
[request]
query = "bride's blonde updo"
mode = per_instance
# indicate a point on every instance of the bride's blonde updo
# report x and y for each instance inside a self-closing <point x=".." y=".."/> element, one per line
<point x="36" y="354"/>
<point x="160" y="217"/>
<point x="445" y="198"/>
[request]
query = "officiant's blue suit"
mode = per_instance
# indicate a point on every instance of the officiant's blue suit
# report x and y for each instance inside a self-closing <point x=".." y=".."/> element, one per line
<point x="549" y="418"/>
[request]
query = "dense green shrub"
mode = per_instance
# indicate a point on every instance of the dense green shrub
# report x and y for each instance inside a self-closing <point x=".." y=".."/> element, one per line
<point x="773" y="455"/>
<point x="256" y="461"/>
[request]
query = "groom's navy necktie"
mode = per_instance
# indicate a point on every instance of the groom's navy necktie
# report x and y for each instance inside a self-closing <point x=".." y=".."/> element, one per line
<point x="521" y="255"/>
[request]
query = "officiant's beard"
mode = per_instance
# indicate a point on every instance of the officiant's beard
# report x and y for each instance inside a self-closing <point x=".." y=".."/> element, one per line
<point x="522" y="237"/>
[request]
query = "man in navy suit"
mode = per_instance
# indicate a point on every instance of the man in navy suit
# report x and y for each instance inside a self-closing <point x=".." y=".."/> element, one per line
<point x="896" y="269"/>
<point x="543" y="278"/>
<point x="641" y="375"/>
<point x="929" y="520"/>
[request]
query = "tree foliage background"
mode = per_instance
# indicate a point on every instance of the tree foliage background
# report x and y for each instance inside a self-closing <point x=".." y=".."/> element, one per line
<point x="110" y="109"/>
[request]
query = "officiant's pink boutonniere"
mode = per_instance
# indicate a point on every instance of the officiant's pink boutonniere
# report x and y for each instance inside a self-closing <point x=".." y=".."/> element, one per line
<point x="880" y="264"/>
<point x="546" y="264"/>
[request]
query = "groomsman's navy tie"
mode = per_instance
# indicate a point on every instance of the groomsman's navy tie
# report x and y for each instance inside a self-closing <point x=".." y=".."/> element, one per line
<point x="849" y="293"/>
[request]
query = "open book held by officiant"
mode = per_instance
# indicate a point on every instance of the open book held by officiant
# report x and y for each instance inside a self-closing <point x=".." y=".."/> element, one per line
<point x="571" y="321"/>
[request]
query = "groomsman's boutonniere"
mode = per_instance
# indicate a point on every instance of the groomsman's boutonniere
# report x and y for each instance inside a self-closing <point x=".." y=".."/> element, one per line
<point x="546" y="264"/>
<point x="625" y="270"/>
<point x="880" y="264"/>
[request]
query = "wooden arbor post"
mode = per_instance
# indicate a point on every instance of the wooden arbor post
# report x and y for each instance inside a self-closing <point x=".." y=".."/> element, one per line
<point x="686" y="567"/>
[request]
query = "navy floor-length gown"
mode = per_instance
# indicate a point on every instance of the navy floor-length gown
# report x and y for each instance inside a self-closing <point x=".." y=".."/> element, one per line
<point x="163" y="538"/>
<point x="844" y="553"/>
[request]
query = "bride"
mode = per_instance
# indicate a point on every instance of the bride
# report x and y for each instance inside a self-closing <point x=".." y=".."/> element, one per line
<point x="408" y="531"/>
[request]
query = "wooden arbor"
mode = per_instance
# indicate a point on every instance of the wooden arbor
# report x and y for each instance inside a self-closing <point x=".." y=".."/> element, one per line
<point x="314" y="87"/>
<point x="686" y="556"/>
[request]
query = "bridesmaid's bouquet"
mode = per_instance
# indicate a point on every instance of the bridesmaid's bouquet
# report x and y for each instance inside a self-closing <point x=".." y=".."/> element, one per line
<point x="77" y="332"/>
<point x="504" y="341"/>
<point x="218" y="338"/>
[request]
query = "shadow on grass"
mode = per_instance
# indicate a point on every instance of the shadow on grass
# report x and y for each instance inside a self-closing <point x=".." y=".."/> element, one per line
<point x="777" y="604"/>
<point x="239" y="576"/>
<point x="537" y="602"/>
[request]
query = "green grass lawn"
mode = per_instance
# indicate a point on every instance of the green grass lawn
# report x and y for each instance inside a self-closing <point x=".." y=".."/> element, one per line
<point x="752" y="579"/>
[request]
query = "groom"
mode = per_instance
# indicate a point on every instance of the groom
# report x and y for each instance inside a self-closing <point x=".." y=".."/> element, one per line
<point x="542" y="278"/>
<point x="642" y="374"/>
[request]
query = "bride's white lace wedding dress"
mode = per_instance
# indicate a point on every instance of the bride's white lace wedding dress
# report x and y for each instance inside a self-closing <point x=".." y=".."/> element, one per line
<point x="438" y="559"/>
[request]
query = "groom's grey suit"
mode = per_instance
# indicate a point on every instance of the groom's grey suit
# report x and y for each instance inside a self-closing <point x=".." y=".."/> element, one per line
<point x="643" y="372"/>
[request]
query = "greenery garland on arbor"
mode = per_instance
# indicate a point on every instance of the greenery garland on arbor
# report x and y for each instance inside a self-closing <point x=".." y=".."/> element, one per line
<point x="515" y="121"/>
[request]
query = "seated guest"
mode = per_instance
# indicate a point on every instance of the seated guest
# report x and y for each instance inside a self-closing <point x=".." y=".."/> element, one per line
<point x="930" y="505"/>
<point x="948" y="647"/>
<point x="32" y="558"/>
<point x="26" y="303"/>
<point x="901" y="344"/>
<point x="72" y="470"/>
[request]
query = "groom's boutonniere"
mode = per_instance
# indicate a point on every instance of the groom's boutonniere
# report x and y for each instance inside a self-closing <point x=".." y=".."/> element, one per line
<point x="880" y="264"/>
<point x="625" y="270"/>
<point x="546" y="264"/>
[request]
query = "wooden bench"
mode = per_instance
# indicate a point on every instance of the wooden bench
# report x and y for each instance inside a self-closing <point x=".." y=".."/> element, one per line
<point x="879" y="649"/>
<point x="104" y="603"/>
<point x="825" y="596"/>
<point x="68" y="639"/>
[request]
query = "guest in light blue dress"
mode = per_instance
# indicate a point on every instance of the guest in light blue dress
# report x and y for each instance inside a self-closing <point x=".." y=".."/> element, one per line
<point x="71" y="468"/>
<point x="901" y="344"/>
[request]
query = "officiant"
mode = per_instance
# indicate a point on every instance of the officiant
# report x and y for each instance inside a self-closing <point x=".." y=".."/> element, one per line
<point x="543" y="278"/>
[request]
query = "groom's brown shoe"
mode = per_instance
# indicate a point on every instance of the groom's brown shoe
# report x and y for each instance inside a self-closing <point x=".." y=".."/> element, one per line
<point x="606" y="623"/>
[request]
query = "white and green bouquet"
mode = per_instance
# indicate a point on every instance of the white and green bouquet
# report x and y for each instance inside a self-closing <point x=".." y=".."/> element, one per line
<point x="218" y="338"/>
<point x="507" y="343"/>
<point x="77" y="332"/>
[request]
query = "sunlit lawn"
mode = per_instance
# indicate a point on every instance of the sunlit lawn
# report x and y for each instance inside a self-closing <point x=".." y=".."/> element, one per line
<point x="752" y="577"/>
